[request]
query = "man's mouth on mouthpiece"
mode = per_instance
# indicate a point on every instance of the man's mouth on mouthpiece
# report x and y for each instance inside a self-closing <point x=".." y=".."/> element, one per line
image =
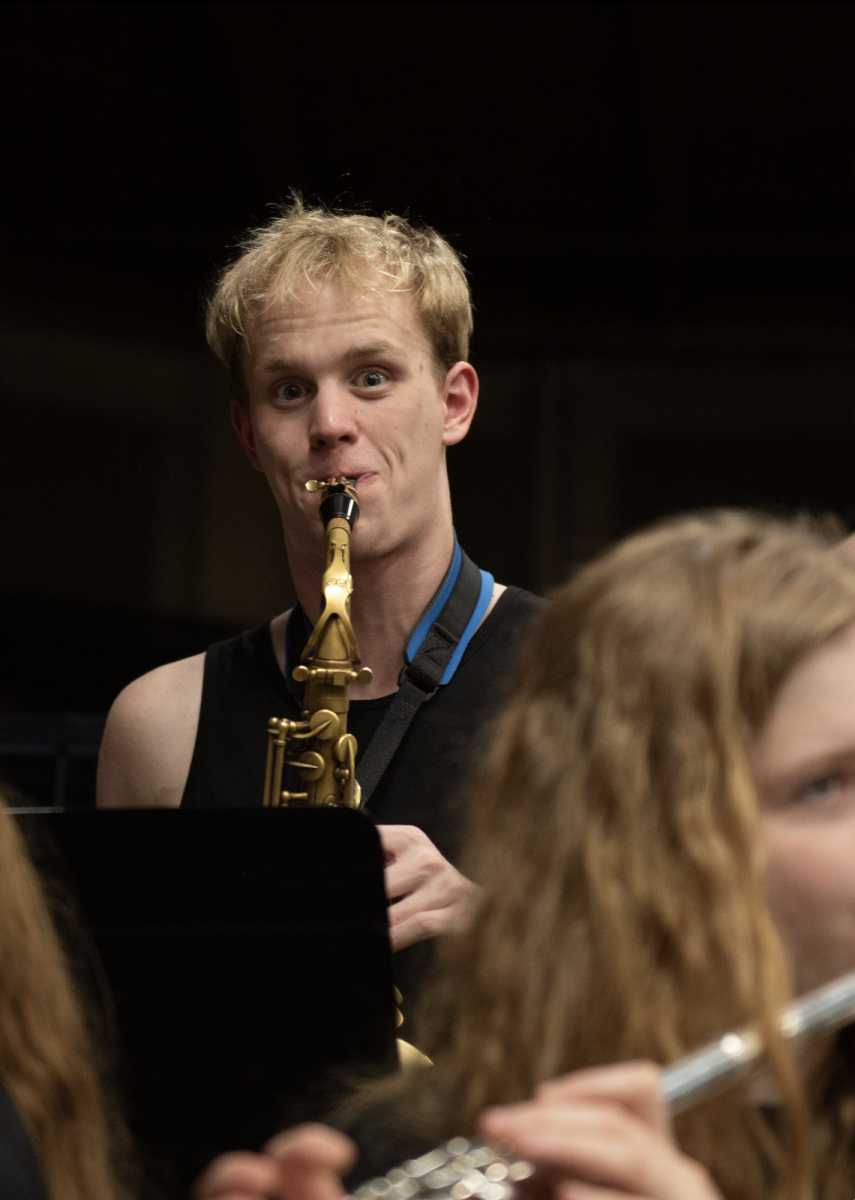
<point x="356" y="477"/>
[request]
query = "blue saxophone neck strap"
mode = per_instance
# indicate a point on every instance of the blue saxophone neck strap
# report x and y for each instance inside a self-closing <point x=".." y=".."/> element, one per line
<point x="432" y="655"/>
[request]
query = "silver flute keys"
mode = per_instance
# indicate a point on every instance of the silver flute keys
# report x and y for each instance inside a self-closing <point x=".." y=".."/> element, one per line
<point x="456" y="1170"/>
<point x="460" y="1169"/>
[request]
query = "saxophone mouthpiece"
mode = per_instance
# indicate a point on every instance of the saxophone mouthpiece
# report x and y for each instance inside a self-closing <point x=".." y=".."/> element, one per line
<point x="315" y="485"/>
<point x="339" y="499"/>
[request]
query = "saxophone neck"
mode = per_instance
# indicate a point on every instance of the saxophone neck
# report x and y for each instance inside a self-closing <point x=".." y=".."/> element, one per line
<point x="333" y="639"/>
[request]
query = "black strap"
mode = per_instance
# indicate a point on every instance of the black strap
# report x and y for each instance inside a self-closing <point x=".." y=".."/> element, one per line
<point x="420" y="680"/>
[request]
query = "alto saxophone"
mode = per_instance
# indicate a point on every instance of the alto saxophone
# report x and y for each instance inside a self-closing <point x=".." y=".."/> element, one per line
<point x="318" y="745"/>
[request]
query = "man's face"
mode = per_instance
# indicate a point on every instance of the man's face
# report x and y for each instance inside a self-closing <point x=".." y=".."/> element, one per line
<point x="342" y="383"/>
<point x="804" y="766"/>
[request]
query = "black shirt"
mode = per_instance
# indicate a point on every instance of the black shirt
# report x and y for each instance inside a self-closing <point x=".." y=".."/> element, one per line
<point x="244" y="687"/>
<point x="20" y="1177"/>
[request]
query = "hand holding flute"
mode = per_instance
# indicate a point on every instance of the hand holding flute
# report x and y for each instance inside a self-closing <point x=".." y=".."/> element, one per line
<point x="590" y="1135"/>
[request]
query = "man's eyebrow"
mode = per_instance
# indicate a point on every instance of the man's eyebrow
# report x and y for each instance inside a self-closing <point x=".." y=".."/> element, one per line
<point x="355" y="353"/>
<point x="282" y="364"/>
<point x="372" y="350"/>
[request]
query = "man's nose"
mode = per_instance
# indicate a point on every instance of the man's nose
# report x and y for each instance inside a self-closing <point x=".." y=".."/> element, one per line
<point x="332" y="418"/>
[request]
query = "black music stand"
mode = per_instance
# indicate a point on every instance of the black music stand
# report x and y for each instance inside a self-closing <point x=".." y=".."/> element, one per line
<point x="248" y="957"/>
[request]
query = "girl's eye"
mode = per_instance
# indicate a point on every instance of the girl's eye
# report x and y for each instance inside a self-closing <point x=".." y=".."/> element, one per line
<point x="821" y="787"/>
<point x="370" y="379"/>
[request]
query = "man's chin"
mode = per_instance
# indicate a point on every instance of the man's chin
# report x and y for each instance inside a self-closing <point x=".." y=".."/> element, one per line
<point x="373" y="539"/>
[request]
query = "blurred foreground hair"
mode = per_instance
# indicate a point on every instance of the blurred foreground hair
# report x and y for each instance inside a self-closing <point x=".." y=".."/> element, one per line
<point x="47" y="1058"/>
<point x="614" y="834"/>
<point x="306" y="247"/>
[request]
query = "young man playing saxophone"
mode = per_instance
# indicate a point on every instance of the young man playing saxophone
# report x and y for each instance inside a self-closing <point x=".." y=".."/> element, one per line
<point x="346" y="339"/>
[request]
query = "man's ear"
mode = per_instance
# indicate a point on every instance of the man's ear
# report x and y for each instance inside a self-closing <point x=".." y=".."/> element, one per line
<point x="243" y="428"/>
<point x="460" y="397"/>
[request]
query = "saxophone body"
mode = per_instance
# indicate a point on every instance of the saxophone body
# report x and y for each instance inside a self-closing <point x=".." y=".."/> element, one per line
<point x="318" y="746"/>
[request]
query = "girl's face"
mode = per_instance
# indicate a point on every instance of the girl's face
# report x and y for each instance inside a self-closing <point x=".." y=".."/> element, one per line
<point x="804" y="767"/>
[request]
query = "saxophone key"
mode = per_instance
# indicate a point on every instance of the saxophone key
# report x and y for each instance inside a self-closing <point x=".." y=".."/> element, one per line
<point x="345" y="748"/>
<point x="310" y="765"/>
<point x="324" y="724"/>
<point x="286" y="798"/>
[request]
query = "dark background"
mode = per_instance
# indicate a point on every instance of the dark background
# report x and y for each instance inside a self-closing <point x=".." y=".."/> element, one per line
<point x="656" y="203"/>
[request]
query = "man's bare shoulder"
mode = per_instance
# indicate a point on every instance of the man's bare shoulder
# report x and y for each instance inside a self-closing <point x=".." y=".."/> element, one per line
<point x="149" y="739"/>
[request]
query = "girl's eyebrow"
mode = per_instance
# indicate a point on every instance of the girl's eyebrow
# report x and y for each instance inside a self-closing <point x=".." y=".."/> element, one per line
<point x="820" y="764"/>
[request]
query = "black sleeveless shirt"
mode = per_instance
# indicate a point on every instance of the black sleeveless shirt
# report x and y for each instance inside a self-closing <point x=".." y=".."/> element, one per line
<point x="244" y="687"/>
<point x="20" y="1174"/>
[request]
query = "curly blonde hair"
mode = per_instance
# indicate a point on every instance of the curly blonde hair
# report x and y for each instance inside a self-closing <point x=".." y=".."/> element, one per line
<point x="312" y="245"/>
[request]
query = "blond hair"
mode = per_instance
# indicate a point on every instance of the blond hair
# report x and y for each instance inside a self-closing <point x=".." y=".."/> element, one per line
<point x="48" y="1058"/>
<point x="614" y="833"/>
<point x="313" y="245"/>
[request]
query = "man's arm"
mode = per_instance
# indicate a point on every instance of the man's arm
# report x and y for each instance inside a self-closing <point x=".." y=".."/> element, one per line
<point x="148" y="742"/>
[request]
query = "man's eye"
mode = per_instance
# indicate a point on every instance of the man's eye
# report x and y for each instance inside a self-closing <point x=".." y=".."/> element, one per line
<point x="290" y="391"/>
<point x="370" y="379"/>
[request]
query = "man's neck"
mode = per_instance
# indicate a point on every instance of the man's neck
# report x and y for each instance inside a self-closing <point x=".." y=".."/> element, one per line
<point x="389" y="595"/>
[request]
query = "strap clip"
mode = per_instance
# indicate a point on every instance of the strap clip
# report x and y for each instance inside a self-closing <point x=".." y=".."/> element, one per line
<point x="410" y="673"/>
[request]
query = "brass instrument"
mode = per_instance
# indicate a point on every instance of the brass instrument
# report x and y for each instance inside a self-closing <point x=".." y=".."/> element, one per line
<point x="463" y="1168"/>
<point x="318" y="745"/>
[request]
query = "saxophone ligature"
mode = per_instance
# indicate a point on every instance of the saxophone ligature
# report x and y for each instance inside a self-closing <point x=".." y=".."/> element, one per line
<point x="318" y="746"/>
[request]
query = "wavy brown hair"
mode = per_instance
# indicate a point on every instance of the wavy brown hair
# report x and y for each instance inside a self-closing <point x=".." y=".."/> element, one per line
<point x="48" y="1059"/>
<point x="614" y="834"/>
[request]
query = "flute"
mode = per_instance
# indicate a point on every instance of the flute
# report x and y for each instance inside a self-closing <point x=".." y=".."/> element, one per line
<point x="462" y="1168"/>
